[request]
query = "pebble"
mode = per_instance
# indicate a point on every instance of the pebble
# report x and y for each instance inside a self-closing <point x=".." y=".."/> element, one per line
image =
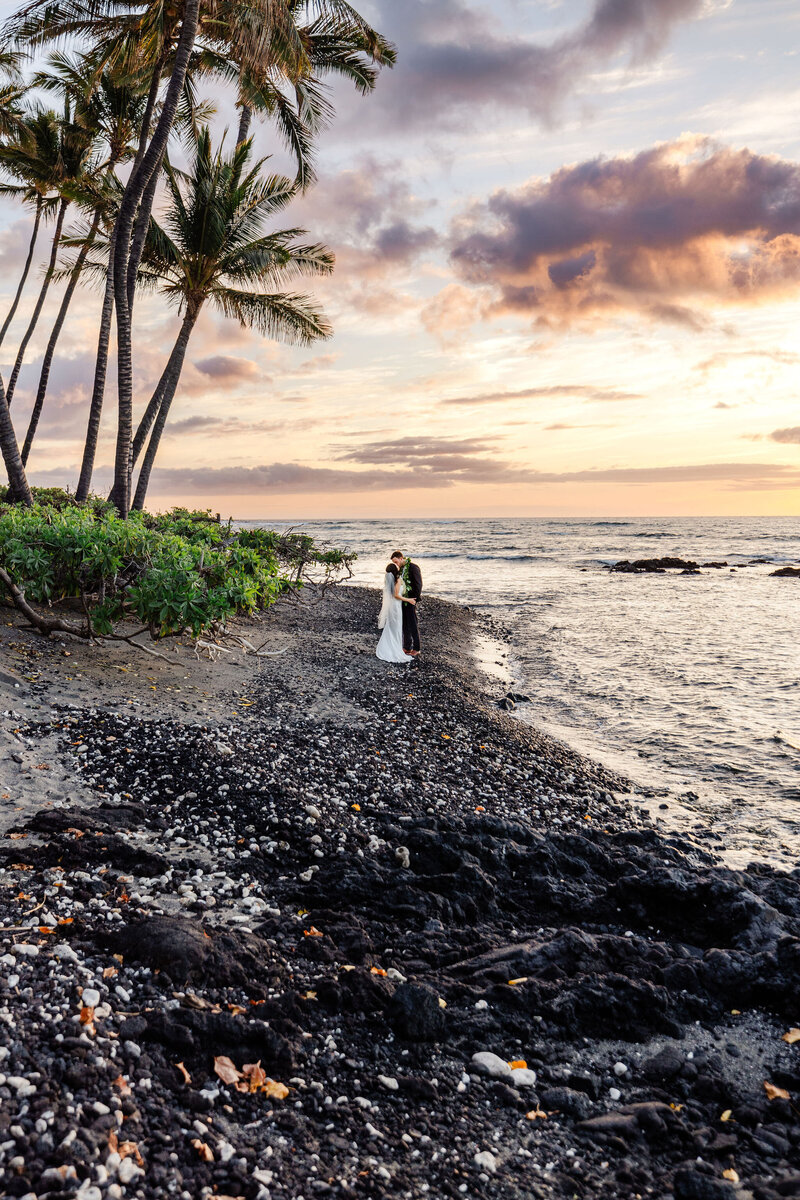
<point x="492" y="1065"/>
<point x="486" y="1161"/>
<point x="389" y="1082"/>
<point x="90" y="997"/>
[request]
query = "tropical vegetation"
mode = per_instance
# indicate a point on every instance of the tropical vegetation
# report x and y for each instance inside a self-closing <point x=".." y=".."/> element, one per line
<point x="101" y="108"/>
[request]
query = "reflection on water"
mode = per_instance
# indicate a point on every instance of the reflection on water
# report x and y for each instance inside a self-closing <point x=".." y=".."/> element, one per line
<point x="688" y="682"/>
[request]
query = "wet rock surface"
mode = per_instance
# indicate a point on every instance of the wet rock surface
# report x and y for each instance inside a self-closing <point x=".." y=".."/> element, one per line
<point x="442" y="954"/>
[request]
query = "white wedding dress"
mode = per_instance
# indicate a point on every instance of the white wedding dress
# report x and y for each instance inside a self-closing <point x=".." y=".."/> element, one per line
<point x="390" y="646"/>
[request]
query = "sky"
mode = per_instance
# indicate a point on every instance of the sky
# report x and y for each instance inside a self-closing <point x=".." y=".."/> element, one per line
<point x="567" y="236"/>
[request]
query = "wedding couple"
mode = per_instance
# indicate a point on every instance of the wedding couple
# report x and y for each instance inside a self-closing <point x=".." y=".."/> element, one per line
<point x="402" y="588"/>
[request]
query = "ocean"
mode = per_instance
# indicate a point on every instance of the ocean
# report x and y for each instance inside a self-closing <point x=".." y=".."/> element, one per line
<point x="689" y="685"/>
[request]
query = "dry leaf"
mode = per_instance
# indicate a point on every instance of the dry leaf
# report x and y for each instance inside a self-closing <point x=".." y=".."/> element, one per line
<point x="792" y="1036"/>
<point x="775" y="1093"/>
<point x="186" y="1076"/>
<point x="736" y="1012"/>
<point x="205" y="1152"/>
<point x="377" y="971"/>
<point x="313" y="932"/>
<point x="122" y="1085"/>
<point x="64" y="920"/>
<point x="730" y="1174"/>
<point x="255" y="1078"/>
<point x="518" y="1062"/>
<point x="277" y="1091"/>
<point x="535" y="1114"/>
<point x="236" y="1009"/>
<point x="46" y="929"/>
<point x="109" y="972"/>
<point x="17" y="837"/>
<point x="130" y="1150"/>
<point x="226" y="1070"/>
<point x="87" y="1015"/>
<point x="311" y="995"/>
<point x="18" y="866"/>
<point x="726" y="1116"/>
<point x="514" y="982"/>
<point x="442" y="1003"/>
<point x="357" y="807"/>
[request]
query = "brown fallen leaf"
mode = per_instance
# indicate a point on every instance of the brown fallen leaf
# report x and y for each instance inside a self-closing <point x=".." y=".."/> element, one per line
<point x="275" y="1090"/>
<point x="730" y="1174"/>
<point x="255" y="1078"/>
<point x="514" y="982"/>
<point x="775" y="1093"/>
<point x="792" y="1036"/>
<point x="17" y="837"/>
<point x="87" y="1015"/>
<point x="186" y="1076"/>
<point x="227" y="1071"/>
<point x="109" y="972"/>
<point x="536" y="1114"/>
<point x="726" y="1116"/>
<point x="518" y="1062"/>
<point x="205" y="1151"/>
<point x="313" y="932"/>
<point x="377" y="971"/>
<point x="122" y="1085"/>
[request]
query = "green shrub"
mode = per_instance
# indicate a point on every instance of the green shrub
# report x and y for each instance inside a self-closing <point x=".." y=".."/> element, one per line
<point x="176" y="571"/>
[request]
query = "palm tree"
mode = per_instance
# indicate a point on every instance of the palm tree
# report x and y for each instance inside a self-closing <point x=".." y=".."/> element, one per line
<point x="74" y="148"/>
<point x="213" y="248"/>
<point x="32" y="157"/>
<point x="111" y="111"/>
<point x="9" y="448"/>
<point x="256" y="35"/>
<point x="12" y="90"/>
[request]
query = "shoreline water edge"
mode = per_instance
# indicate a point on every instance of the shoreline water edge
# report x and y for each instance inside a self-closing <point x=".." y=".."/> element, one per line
<point x="314" y="925"/>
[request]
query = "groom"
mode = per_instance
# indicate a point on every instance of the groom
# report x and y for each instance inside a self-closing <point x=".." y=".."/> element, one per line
<point x="412" y="577"/>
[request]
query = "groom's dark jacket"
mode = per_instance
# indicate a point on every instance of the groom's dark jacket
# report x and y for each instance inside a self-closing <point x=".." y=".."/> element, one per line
<point x="415" y="581"/>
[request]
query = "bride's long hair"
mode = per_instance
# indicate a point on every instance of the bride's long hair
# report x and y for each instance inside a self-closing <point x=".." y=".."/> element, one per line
<point x="388" y="597"/>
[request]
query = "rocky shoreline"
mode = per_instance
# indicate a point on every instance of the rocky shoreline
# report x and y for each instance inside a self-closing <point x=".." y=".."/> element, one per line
<point x="310" y="925"/>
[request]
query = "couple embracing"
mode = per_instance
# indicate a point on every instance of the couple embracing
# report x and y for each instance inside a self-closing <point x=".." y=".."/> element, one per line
<point x="402" y="588"/>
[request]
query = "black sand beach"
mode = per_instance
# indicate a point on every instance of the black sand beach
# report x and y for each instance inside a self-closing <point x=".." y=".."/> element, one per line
<point x="361" y="877"/>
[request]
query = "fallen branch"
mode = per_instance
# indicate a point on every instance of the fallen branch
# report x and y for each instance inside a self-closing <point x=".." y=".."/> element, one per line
<point x="45" y="625"/>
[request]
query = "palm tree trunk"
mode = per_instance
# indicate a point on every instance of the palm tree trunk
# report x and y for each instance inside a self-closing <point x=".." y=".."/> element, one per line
<point x="25" y="270"/>
<point x="99" y="386"/>
<point x="48" y="275"/>
<point x="245" y="118"/>
<point x="138" y="181"/>
<point x="54" y="336"/>
<point x="150" y="414"/>
<point x="170" y="378"/>
<point x="9" y="448"/>
<point x="140" y="232"/>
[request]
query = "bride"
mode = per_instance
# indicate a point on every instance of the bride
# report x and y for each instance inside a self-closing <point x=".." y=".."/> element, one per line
<point x="390" y="646"/>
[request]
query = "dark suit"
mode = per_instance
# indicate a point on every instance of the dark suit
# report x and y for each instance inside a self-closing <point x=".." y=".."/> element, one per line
<point x="410" y="624"/>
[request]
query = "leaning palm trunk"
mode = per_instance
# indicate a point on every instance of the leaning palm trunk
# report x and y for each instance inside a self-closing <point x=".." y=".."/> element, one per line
<point x="134" y="190"/>
<point x="140" y="232"/>
<point x="99" y="386"/>
<point x="48" y="275"/>
<point x="9" y="448"/>
<point x="25" y="270"/>
<point x="245" y="117"/>
<point x="54" y="336"/>
<point x="150" y="414"/>
<point x="170" y="381"/>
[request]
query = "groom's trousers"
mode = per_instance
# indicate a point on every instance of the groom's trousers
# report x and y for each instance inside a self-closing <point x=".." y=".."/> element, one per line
<point x="410" y="627"/>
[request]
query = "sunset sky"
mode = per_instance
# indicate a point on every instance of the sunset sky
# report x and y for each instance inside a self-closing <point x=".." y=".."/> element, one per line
<point x="568" y="282"/>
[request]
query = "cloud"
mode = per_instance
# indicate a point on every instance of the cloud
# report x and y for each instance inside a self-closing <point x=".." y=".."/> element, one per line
<point x="446" y="471"/>
<point x="789" y="437"/>
<point x="456" y="60"/>
<point x="785" y="358"/>
<point x="548" y="391"/>
<point x="227" y="369"/>
<point x="666" y="233"/>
